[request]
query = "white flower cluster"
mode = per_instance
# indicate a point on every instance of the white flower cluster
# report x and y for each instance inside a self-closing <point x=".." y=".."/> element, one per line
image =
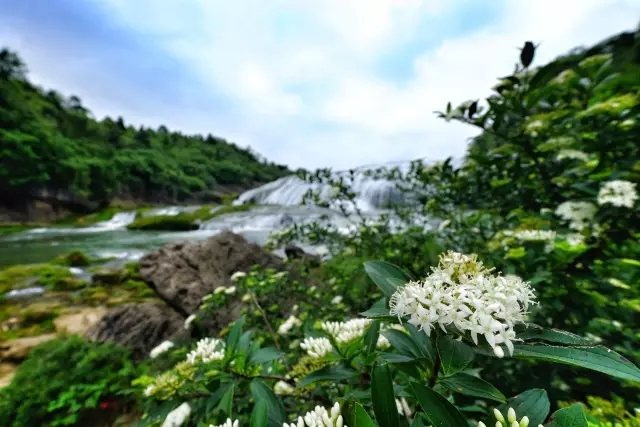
<point x="189" y="320"/>
<point x="578" y="214"/>
<point x="463" y="293"/>
<point x="161" y="348"/>
<point x="572" y="154"/>
<point x="283" y="388"/>
<point x="344" y="332"/>
<point x="618" y="193"/>
<point x="223" y="289"/>
<point x="574" y="239"/>
<point x="207" y="350"/>
<point x="512" y="420"/>
<point x="316" y="347"/>
<point x="535" y="235"/>
<point x="228" y="423"/>
<point x="291" y="322"/>
<point x="178" y="416"/>
<point x="320" y="417"/>
<point x="235" y="277"/>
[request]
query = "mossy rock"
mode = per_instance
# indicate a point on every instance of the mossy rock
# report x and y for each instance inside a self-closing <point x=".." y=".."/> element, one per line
<point x="39" y="313"/>
<point x="107" y="277"/>
<point x="131" y="271"/>
<point x="185" y="221"/>
<point x="49" y="276"/>
<point x="73" y="259"/>
<point x="180" y="222"/>
<point x="30" y="320"/>
<point x="98" y="297"/>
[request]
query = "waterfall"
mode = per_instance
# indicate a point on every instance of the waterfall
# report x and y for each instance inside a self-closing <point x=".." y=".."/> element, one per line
<point x="372" y="194"/>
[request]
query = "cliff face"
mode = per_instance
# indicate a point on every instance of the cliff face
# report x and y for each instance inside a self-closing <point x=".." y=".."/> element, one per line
<point x="48" y="205"/>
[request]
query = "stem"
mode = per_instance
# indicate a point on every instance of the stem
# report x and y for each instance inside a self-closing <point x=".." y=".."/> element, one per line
<point x="271" y="331"/>
<point x="407" y="411"/>
<point x="436" y="363"/>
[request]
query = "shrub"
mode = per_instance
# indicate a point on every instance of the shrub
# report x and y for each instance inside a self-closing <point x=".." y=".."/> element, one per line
<point x="64" y="378"/>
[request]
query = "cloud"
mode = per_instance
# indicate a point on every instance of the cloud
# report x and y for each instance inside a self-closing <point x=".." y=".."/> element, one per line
<point x="307" y="83"/>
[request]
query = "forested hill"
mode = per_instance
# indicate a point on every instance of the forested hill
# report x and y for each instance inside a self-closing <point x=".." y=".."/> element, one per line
<point x="51" y="146"/>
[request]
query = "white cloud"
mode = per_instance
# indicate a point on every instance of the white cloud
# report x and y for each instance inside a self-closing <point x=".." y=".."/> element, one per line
<point x="308" y="88"/>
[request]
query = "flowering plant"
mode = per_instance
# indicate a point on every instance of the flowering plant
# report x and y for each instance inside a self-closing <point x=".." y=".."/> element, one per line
<point x="402" y="364"/>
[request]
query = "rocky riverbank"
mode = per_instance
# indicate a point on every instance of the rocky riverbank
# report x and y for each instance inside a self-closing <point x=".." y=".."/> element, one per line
<point x="138" y="305"/>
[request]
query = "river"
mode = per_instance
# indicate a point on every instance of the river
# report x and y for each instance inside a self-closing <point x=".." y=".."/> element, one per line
<point x="278" y="208"/>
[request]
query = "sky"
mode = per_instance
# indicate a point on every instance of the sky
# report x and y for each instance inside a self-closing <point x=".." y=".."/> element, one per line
<point x="306" y="83"/>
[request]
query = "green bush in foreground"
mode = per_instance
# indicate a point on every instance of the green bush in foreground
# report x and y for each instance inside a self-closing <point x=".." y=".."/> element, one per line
<point x="64" y="378"/>
<point x="406" y="362"/>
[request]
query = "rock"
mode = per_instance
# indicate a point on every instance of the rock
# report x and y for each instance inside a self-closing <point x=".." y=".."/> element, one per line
<point x="79" y="322"/>
<point x="17" y="350"/>
<point x="183" y="273"/>
<point x="107" y="277"/>
<point x="7" y="372"/>
<point x="39" y="312"/>
<point x="296" y="252"/>
<point x="140" y="327"/>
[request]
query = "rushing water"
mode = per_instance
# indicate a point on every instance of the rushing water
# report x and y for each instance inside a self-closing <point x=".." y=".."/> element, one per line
<point x="279" y="209"/>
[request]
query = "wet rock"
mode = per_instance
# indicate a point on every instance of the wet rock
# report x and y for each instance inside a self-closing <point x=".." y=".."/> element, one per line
<point x="183" y="273"/>
<point x="140" y="327"/>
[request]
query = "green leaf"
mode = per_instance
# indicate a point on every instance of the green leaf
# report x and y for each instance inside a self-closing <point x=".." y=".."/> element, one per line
<point x="573" y="416"/>
<point x="259" y="415"/>
<point x="371" y="337"/>
<point x="383" y="397"/>
<point x="418" y="421"/>
<point x="535" y="332"/>
<point x="533" y="403"/>
<point x="597" y="358"/>
<point x="403" y="343"/>
<point x="548" y="72"/>
<point x="265" y="355"/>
<point x="354" y="414"/>
<point x="276" y="414"/>
<point x="226" y="403"/>
<point x="454" y="355"/>
<point x="386" y="276"/>
<point x="438" y="411"/>
<point x="379" y="310"/>
<point x="328" y="373"/>
<point x="396" y="358"/>
<point x="234" y="335"/>
<point x="423" y="342"/>
<point x="213" y="401"/>
<point x="472" y="386"/>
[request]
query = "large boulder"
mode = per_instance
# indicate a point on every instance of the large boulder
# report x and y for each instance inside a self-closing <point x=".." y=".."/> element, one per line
<point x="140" y="327"/>
<point x="183" y="273"/>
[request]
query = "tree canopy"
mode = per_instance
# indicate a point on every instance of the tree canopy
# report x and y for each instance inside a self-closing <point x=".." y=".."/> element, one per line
<point x="51" y="143"/>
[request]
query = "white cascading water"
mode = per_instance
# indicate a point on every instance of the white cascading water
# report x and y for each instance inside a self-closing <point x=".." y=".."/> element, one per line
<point x="372" y="194"/>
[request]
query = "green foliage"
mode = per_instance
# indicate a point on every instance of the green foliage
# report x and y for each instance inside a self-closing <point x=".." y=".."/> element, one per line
<point x="50" y="276"/>
<point x="62" y="379"/>
<point x="544" y="308"/>
<point x="50" y="142"/>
